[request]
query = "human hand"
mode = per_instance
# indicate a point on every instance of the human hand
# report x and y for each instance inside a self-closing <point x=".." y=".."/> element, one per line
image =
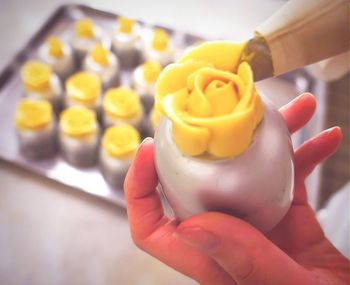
<point x="215" y="248"/>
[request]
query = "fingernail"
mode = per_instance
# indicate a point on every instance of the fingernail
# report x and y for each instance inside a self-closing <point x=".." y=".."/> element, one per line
<point x="145" y="141"/>
<point x="331" y="130"/>
<point x="197" y="237"/>
<point x="303" y="96"/>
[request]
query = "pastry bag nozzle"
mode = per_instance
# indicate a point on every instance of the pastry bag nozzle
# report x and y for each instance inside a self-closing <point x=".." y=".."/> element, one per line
<point x="300" y="33"/>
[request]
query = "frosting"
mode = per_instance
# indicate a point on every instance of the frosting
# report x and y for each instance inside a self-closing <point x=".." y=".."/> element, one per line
<point x="36" y="76"/>
<point x="100" y="55"/>
<point x="78" y="122"/>
<point x="121" y="103"/>
<point x="160" y="40"/>
<point x="121" y="141"/>
<point x="125" y="25"/>
<point x="151" y="70"/>
<point x="84" y="28"/>
<point x="33" y="114"/>
<point x="83" y="87"/>
<point x="55" y="47"/>
<point x="211" y="99"/>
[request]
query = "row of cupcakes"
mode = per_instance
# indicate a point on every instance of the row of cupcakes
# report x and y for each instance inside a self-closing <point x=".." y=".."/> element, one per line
<point x="77" y="136"/>
<point x="126" y="41"/>
<point x="94" y="52"/>
<point x="84" y="88"/>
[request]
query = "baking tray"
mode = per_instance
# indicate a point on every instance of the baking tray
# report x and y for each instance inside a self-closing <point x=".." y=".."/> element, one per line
<point x="60" y="23"/>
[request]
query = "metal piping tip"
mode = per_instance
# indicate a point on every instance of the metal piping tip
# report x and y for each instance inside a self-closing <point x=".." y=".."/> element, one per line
<point x="258" y="55"/>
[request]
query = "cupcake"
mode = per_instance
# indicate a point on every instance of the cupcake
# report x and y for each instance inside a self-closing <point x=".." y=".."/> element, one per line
<point x="160" y="48"/>
<point x="58" y="55"/>
<point x="84" y="89"/>
<point x="40" y="82"/>
<point x="119" y="145"/>
<point x="144" y="79"/>
<point x="122" y="106"/>
<point x="86" y="36"/>
<point x="35" y="127"/>
<point x="104" y="64"/>
<point x="79" y="136"/>
<point x="216" y="136"/>
<point x="126" y="42"/>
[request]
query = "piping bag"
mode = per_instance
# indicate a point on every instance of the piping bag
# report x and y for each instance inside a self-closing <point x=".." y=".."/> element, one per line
<point x="300" y="33"/>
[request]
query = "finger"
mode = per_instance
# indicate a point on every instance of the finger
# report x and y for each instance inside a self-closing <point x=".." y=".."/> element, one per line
<point x="143" y="202"/>
<point x="316" y="150"/>
<point x="248" y="256"/>
<point x="153" y="232"/>
<point x="298" y="112"/>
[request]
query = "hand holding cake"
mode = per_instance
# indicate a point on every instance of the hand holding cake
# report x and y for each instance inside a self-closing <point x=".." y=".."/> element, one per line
<point x="215" y="248"/>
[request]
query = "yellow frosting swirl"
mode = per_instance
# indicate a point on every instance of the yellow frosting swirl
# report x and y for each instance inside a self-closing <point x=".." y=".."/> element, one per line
<point x="211" y="100"/>
<point x="33" y="114"/>
<point x="84" y="28"/>
<point x="121" y="103"/>
<point x="78" y="122"/>
<point x="121" y="141"/>
<point x="36" y="76"/>
<point x="151" y="70"/>
<point x="125" y="25"/>
<point x="100" y="55"/>
<point x="55" y="47"/>
<point x="160" y="40"/>
<point x="83" y="87"/>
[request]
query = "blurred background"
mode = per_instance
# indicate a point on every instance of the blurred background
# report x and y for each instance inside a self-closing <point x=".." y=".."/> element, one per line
<point x="50" y="234"/>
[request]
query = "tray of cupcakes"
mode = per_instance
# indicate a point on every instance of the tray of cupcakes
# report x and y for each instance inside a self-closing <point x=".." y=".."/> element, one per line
<point x="77" y="100"/>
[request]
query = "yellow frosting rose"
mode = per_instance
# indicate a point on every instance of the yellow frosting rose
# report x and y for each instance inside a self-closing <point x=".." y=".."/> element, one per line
<point x="78" y="122"/>
<point x="33" y="114"/>
<point x="126" y="25"/>
<point x="121" y="141"/>
<point x="84" y="28"/>
<point x="36" y="76"/>
<point x="211" y="100"/>
<point x="83" y="87"/>
<point x="121" y="103"/>
<point x="55" y="47"/>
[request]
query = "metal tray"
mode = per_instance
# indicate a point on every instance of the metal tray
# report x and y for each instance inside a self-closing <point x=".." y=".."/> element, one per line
<point x="90" y="180"/>
<point x="61" y="23"/>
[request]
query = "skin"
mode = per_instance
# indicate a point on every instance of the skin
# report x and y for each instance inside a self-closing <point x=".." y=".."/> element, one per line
<point x="215" y="248"/>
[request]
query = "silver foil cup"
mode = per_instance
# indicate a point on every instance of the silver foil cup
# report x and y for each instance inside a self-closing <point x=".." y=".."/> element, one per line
<point x="256" y="186"/>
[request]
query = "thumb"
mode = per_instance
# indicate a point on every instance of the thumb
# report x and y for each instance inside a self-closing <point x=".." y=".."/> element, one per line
<point x="243" y="252"/>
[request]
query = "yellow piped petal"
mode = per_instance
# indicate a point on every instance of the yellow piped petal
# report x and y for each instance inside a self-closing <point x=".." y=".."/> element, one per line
<point x="151" y="70"/>
<point x="223" y="55"/>
<point x="78" y="122"/>
<point x="211" y="100"/>
<point x="84" y="28"/>
<point x="192" y="140"/>
<point x="160" y="40"/>
<point x="84" y="87"/>
<point x="33" y="114"/>
<point x="55" y="47"/>
<point x="100" y="55"/>
<point x="222" y="97"/>
<point x="36" y="76"/>
<point x="121" y="103"/>
<point x="174" y="77"/>
<point x="121" y="141"/>
<point x="125" y="25"/>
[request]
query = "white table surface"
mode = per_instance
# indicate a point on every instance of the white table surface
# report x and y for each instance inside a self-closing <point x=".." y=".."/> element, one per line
<point x="50" y="234"/>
